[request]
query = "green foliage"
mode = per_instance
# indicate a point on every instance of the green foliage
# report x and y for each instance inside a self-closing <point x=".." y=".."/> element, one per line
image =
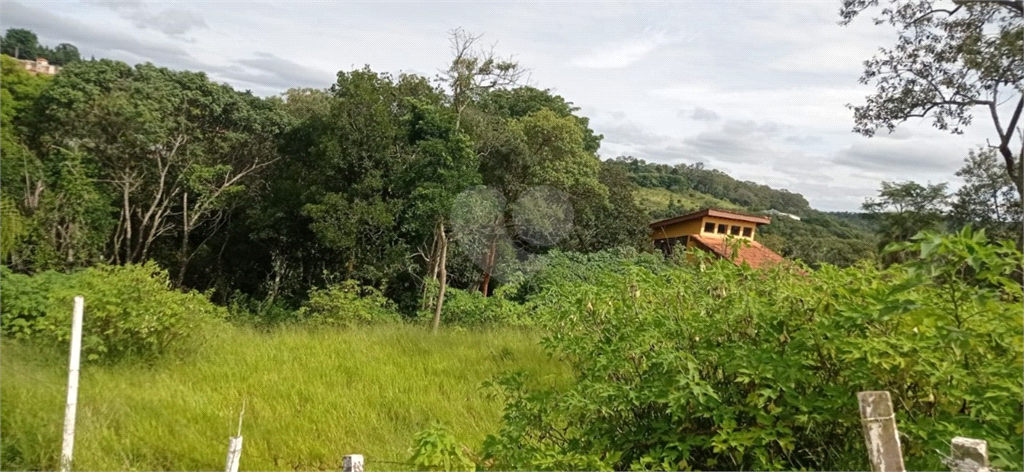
<point x="347" y="304"/>
<point x="435" y="449"/>
<point x="472" y="309"/>
<point x="944" y="64"/>
<point x="24" y="44"/>
<point x="988" y="199"/>
<point x="710" y="366"/>
<point x="712" y="182"/>
<point x="130" y="312"/>
<point x="12" y="226"/>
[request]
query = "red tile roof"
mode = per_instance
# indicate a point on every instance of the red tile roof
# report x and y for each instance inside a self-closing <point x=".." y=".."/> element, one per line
<point x="726" y="214"/>
<point x="750" y="252"/>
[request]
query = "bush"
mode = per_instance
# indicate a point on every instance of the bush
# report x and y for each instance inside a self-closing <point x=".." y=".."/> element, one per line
<point x="710" y="366"/>
<point x="472" y="309"/>
<point x="130" y="312"/>
<point x="347" y="304"/>
<point x="435" y="449"/>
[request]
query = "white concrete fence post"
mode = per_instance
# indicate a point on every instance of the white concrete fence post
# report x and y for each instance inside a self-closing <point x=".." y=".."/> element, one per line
<point x="234" y="454"/>
<point x="880" y="434"/>
<point x="235" y="445"/>
<point x="68" y="446"/>
<point x="968" y="455"/>
<point x="352" y="463"/>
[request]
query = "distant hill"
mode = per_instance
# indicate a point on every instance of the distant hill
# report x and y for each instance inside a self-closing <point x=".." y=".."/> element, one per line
<point x="839" y="238"/>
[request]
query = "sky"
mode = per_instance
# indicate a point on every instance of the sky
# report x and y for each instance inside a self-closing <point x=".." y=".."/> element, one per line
<point x="757" y="89"/>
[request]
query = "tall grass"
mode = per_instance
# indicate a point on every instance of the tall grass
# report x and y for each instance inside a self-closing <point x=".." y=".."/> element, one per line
<point x="311" y="397"/>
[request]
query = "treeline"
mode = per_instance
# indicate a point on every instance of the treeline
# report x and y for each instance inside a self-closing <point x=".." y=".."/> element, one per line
<point x="682" y="177"/>
<point x="263" y="200"/>
<point x="24" y="44"/>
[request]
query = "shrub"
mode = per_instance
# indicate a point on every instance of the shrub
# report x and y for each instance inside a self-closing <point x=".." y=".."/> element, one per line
<point x="347" y="304"/>
<point x="130" y="312"/>
<point x="469" y="309"/>
<point x="435" y="449"/>
<point x="711" y="366"/>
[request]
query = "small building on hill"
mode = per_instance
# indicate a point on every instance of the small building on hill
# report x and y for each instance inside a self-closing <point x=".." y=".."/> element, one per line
<point x="39" y="66"/>
<point x="719" y="232"/>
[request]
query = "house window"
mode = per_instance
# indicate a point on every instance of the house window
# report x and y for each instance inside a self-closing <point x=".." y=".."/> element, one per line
<point x="709" y="227"/>
<point x="723" y="229"/>
<point x="748" y="231"/>
<point x="735" y="231"/>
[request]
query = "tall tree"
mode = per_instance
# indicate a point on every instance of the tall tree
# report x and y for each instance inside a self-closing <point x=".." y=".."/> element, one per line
<point x="988" y="199"/>
<point x="950" y="58"/>
<point x="176" y="149"/>
<point x="902" y="209"/>
<point x="475" y="71"/>
<point x="20" y="43"/>
<point x="353" y="161"/>
<point x="64" y="54"/>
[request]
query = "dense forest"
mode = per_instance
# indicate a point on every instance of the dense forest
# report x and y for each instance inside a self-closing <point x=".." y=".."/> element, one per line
<point x="292" y="228"/>
<point x="264" y="199"/>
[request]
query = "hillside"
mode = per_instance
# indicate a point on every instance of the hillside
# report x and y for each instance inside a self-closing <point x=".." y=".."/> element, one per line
<point x="839" y="238"/>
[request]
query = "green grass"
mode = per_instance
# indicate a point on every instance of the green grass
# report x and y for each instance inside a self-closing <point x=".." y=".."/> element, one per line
<point x="653" y="199"/>
<point x="312" y="397"/>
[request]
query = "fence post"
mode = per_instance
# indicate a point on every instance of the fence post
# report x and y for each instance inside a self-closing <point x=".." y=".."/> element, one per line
<point x="968" y="455"/>
<point x="235" y="445"/>
<point x="68" y="446"/>
<point x="234" y="454"/>
<point x="880" y="434"/>
<point x="352" y="463"/>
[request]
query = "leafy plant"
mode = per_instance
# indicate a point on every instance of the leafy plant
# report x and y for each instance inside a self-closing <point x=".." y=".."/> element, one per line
<point x="710" y="366"/>
<point x="347" y="304"/>
<point x="435" y="449"/>
<point x="130" y="312"/>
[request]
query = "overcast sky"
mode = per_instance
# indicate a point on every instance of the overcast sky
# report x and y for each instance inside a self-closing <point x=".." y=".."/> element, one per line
<point x="754" y="88"/>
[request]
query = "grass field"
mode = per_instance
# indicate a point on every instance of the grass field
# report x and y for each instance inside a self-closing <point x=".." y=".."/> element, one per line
<point x="311" y="398"/>
<point x="651" y="199"/>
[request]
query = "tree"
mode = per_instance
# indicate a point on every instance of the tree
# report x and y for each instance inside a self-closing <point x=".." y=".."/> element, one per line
<point x="21" y="171"/>
<point x="352" y="162"/>
<point x="444" y="165"/>
<point x="987" y="200"/>
<point x="20" y="43"/>
<point x="904" y="209"/>
<point x="948" y="60"/>
<point x="521" y="101"/>
<point x="64" y="54"/>
<point x="475" y="71"/>
<point x="175" y="150"/>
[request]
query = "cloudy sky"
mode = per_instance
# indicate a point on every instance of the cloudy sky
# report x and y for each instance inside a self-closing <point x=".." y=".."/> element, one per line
<point x="755" y="88"/>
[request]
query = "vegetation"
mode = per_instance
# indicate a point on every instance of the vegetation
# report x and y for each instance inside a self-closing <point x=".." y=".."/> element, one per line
<point x="132" y="314"/>
<point x="24" y="44"/>
<point x="310" y="397"/>
<point x="948" y="61"/>
<point x="709" y="366"/>
<point x="289" y="253"/>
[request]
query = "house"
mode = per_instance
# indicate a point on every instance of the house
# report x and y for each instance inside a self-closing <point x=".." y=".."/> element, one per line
<point x="777" y="212"/>
<point x="39" y="66"/>
<point x="722" y="233"/>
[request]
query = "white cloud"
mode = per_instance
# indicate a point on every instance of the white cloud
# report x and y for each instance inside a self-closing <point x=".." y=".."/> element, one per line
<point x="627" y="53"/>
